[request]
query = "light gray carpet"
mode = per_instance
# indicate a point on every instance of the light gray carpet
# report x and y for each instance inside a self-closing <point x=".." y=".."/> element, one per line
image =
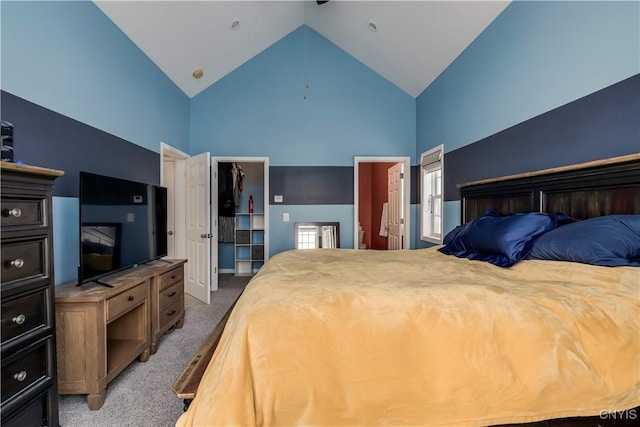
<point x="141" y="395"/>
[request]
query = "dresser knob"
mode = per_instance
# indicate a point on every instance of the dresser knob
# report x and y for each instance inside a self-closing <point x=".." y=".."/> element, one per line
<point x="171" y="313"/>
<point x="17" y="263"/>
<point x="130" y="298"/>
<point x="20" y="376"/>
<point x="19" y="319"/>
<point x="15" y="212"/>
<point x="172" y="294"/>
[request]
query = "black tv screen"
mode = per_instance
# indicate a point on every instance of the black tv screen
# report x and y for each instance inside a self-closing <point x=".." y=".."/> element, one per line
<point x="122" y="224"/>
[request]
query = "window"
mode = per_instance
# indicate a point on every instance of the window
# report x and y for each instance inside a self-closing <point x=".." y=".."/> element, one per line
<point x="431" y="197"/>
<point x="308" y="237"/>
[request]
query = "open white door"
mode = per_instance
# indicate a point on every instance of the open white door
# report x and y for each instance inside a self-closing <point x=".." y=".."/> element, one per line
<point x="198" y="224"/>
<point x="396" y="215"/>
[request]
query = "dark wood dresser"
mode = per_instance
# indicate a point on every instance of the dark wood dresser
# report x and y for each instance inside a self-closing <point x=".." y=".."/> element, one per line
<point x="28" y="348"/>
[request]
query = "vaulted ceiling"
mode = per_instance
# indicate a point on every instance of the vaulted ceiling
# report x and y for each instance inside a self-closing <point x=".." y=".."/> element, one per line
<point x="413" y="41"/>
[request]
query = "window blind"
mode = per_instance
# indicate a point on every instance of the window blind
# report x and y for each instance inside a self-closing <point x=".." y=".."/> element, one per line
<point x="432" y="160"/>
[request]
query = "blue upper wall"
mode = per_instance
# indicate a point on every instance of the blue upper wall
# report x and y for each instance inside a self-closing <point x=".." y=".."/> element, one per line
<point x="76" y="87"/>
<point x="264" y="109"/>
<point x="69" y="57"/>
<point x="535" y="56"/>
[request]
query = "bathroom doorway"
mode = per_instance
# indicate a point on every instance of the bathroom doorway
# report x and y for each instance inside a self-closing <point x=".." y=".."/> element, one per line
<point x="377" y="224"/>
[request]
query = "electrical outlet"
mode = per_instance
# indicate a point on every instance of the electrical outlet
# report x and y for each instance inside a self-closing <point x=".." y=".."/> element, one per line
<point x="277" y="198"/>
<point x="285" y="217"/>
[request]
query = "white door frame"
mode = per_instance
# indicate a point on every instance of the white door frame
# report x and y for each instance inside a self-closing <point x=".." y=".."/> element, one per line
<point x="167" y="152"/>
<point x="406" y="242"/>
<point x="214" y="194"/>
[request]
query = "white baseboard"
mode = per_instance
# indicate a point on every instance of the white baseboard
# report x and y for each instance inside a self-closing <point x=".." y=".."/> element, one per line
<point x="226" y="270"/>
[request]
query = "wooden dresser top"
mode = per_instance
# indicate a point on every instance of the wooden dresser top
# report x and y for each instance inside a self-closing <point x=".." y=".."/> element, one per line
<point x="28" y="169"/>
<point x="121" y="281"/>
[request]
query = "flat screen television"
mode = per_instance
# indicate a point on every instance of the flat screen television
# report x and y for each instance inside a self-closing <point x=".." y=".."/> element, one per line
<point x="122" y="224"/>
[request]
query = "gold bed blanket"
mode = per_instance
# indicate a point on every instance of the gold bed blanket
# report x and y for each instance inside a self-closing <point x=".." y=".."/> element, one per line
<point x="338" y="337"/>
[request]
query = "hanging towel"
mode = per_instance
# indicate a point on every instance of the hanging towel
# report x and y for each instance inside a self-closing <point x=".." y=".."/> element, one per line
<point x="384" y="220"/>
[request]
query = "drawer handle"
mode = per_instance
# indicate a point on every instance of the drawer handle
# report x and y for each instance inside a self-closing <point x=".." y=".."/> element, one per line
<point x="171" y="313"/>
<point x="130" y="298"/>
<point x="20" y="376"/>
<point x="17" y="263"/>
<point x="172" y="294"/>
<point x="15" y="212"/>
<point x="19" y="319"/>
<point x="173" y="277"/>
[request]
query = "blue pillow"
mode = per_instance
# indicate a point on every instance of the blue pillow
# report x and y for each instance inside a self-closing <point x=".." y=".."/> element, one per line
<point x="612" y="240"/>
<point x="450" y="236"/>
<point x="502" y="241"/>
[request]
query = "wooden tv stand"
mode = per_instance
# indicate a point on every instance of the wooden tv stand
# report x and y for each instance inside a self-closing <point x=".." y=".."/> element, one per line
<point x="102" y="330"/>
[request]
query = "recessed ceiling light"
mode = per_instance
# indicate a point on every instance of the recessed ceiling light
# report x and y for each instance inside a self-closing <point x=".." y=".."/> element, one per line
<point x="198" y="73"/>
<point x="235" y="24"/>
<point x="372" y="26"/>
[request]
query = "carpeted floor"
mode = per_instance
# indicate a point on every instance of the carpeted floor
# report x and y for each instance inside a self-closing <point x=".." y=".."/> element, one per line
<point x="141" y="395"/>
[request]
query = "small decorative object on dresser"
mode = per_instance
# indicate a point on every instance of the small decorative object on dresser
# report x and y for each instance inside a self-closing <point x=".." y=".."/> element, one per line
<point x="29" y="384"/>
<point x="102" y="330"/>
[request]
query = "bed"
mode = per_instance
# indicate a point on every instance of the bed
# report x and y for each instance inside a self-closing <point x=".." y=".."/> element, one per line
<point x="345" y="337"/>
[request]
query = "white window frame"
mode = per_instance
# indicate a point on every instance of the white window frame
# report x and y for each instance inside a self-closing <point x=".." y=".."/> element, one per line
<point x="432" y="199"/>
<point x="308" y="237"/>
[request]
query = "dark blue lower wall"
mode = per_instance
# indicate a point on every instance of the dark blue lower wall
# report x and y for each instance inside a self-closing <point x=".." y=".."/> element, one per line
<point x="48" y="139"/>
<point x="320" y="185"/>
<point x="312" y="185"/>
<point x="603" y="124"/>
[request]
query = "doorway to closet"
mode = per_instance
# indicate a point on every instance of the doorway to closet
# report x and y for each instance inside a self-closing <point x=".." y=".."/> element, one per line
<point x="178" y="172"/>
<point x="240" y="196"/>
<point x="381" y="203"/>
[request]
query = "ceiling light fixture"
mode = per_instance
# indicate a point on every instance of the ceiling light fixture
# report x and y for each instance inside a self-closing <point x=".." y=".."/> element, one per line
<point x="198" y="73"/>
<point x="235" y="24"/>
<point x="372" y="26"/>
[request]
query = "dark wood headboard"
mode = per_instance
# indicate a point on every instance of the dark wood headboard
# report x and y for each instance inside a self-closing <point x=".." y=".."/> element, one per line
<point x="586" y="190"/>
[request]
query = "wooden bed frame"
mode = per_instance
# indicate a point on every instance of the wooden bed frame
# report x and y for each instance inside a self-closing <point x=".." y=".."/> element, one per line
<point x="186" y="384"/>
<point x="586" y="190"/>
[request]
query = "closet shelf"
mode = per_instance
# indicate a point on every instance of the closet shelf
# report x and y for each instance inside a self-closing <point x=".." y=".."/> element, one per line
<point x="249" y="243"/>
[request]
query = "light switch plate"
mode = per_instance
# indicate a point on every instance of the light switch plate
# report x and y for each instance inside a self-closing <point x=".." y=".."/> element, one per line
<point x="277" y="198"/>
<point x="285" y="217"/>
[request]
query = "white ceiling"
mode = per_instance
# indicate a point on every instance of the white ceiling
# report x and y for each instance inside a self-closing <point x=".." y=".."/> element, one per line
<point x="415" y="41"/>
